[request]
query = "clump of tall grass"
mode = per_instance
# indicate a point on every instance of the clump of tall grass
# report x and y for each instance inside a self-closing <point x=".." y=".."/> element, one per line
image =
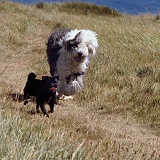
<point x="34" y="137"/>
<point x="40" y="5"/>
<point x="86" y="8"/>
<point x="157" y="17"/>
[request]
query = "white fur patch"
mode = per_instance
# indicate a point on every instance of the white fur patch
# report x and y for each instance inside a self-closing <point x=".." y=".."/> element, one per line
<point x="88" y="37"/>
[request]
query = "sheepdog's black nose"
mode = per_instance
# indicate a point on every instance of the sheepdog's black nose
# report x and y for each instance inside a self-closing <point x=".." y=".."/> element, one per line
<point x="80" y="54"/>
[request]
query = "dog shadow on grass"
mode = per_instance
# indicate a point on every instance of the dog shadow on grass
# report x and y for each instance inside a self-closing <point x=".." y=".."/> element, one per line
<point x="28" y="108"/>
<point x="17" y="97"/>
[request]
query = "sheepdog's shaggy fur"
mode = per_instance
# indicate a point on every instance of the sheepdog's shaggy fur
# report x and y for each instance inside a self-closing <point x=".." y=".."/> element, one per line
<point x="68" y="54"/>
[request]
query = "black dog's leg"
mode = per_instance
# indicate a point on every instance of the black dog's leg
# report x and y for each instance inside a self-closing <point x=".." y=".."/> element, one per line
<point x="25" y="98"/>
<point x="43" y="108"/>
<point x="40" y="102"/>
<point x="37" y="107"/>
<point x="51" y="104"/>
<point x="52" y="101"/>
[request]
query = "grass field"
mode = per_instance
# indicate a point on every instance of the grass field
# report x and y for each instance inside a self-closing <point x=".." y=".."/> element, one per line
<point x="117" y="114"/>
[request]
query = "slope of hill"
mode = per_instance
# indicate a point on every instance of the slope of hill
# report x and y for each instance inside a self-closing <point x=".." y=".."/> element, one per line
<point x="116" y="116"/>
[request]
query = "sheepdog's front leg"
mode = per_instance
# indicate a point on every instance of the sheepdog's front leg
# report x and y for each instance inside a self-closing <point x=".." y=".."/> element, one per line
<point x="69" y="86"/>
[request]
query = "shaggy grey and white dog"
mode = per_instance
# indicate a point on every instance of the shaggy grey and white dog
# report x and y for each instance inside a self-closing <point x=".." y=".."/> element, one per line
<point x="68" y="54"/>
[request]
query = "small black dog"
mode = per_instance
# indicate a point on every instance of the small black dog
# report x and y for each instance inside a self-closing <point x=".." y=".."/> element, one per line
<point x="43" y="90"/>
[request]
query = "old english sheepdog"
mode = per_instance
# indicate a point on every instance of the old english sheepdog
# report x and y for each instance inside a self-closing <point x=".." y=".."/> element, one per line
<point x="68" y="54"/>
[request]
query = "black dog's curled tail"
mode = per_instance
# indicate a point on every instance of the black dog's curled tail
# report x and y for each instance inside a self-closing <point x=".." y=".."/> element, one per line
<point x="31" y="76"/>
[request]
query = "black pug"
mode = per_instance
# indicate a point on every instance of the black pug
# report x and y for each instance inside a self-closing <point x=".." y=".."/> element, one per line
<point x="43" y="90"/>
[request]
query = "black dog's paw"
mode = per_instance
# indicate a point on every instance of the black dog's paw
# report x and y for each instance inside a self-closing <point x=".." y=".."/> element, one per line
<point x="51" y="111"/>
<point x="25" y="102"/>
<point x="46" y="115"/>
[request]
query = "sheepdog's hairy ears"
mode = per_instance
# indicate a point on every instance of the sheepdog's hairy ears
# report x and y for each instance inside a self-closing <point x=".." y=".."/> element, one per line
<point x="78" y="37"/>
<point x="91" y="49"/>
<point x="91" y="41"/>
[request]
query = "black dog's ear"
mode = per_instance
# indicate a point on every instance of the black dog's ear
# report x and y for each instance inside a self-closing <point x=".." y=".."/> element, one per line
<point x="45" y="78"/>
<point x="56" y="77"/>
<point x="31" y="76"/>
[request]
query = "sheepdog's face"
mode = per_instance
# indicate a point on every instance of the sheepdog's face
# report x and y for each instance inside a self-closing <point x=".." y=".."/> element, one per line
<point x="78" y="47"/>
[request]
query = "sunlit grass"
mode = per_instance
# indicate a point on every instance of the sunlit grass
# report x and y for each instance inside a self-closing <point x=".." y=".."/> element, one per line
<point x="123" y="80"/>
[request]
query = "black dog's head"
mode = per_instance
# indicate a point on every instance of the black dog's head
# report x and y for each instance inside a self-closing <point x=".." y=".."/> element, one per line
<point x="51" y="81"/>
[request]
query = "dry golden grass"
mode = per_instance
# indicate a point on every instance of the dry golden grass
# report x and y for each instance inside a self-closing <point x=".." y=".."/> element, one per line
<point x="116" y="116"/>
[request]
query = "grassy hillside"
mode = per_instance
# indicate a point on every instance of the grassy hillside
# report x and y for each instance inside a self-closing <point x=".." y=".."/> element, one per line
<point x="116" y="116"/>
